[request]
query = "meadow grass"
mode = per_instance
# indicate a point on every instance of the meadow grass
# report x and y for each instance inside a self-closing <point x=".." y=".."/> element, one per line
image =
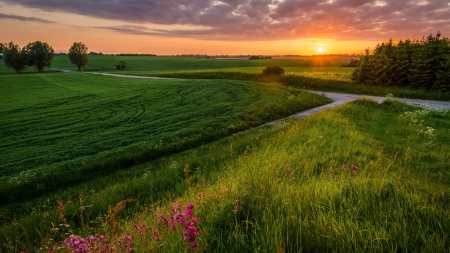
<point x="295" y="192"/>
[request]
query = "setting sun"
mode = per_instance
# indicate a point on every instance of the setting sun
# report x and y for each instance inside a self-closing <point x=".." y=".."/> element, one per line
<point x="320" y="50"/>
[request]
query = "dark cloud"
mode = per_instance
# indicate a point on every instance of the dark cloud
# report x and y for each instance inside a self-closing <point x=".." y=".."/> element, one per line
<point x="22" y="18"/>
<point x="265" y="19"/>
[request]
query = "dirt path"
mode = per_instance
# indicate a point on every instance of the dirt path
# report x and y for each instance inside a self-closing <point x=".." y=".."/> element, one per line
<point x="342" y="98"/>
<point x="115" y="75"/>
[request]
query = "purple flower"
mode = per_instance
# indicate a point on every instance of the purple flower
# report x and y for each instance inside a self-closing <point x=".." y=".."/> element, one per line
<point x="189" y="211"/>
<point x="354" y="167"/>
<point x="161" y="246"/>
<point x="345" y="167"/>
<point x="193" y="245"/>
<point x="332" y="175"/>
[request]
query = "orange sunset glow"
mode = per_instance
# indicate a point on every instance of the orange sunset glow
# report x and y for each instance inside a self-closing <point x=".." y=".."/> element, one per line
<point x="298" y="27"/>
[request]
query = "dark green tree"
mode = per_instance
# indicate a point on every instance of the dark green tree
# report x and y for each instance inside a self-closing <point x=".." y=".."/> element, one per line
<point x="39" y="54"/>
<point x="419" y="64"/>
<point x="14" y="57"/>
<point x="78" y="55"/>
<point x="1" y="49"/>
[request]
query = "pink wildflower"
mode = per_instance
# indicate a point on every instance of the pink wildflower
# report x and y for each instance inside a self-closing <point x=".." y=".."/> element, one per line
<point x="193" y="245"/>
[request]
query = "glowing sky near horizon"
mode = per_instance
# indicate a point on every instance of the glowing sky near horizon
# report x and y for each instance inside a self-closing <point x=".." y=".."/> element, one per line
<point x="221" y="27"/>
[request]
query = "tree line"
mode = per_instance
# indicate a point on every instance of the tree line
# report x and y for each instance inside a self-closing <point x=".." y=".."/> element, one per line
<point x="40" y="55"/>
<point x="413" y="63"/>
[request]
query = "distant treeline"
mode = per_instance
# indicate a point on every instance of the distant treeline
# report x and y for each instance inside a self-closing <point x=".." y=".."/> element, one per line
<point x="419" y="64"/>
<point x="136" y="54"/>
<point x="100" y="53"/>
<point x="257" y="57"/>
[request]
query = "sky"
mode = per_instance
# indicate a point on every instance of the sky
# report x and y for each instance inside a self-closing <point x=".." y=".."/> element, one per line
<point x="232" y="27"/>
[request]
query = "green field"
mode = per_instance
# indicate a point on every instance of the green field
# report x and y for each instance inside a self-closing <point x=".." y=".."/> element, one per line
<point x="396" y="200"/>
<point x="171" y="64"/>
<point x="306" y="73"/>
<point x="57" y="118"/>
<point x="86" y="155"/>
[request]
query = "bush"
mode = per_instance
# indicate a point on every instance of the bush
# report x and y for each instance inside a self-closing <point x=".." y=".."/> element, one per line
<point x="120" y="65"/>
<point x="273" y="71"/>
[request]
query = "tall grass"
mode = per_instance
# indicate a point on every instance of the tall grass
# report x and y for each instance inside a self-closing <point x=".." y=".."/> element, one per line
<point x="294" y="189"/>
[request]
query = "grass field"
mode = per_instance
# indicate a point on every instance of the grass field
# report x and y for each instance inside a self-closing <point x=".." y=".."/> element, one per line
<point x="170" y="64"/>
<point x="313" y="74"/>
<point x="90" y="159"/>
<point x="295" y="192"/>
<point x="71" y="120"/>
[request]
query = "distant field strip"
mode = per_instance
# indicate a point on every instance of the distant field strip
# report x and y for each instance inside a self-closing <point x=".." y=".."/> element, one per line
<point x="60" y="118"/>
<point x="170" y="64"/>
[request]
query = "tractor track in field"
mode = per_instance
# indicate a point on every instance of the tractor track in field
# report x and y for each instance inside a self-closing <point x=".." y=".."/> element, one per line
<point x="338" y="98"/>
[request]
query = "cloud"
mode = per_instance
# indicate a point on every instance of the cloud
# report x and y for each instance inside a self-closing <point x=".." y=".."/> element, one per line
<point x="265" y="19"/>
<point x="22" y="18"/>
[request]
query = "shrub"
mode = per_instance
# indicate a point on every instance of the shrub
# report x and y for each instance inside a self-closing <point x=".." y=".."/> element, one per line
<point x="120" y="65"/>
<point x="273" y="71"/>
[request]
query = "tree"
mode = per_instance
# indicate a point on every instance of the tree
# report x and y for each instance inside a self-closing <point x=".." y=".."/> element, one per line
<point x="14" y="57"/>
<point x="39" y="54"/>
<point x="78" y="55"/>
<point x="1" y="49"/>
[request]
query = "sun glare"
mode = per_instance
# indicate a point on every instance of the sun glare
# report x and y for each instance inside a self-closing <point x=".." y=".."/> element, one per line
<point x="320" y="50"/>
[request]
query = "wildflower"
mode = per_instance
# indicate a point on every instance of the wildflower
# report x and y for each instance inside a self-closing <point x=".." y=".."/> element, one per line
<point x="193" y="245"/>
<point x="189" y="211"/>
<point x="332" y="175"/>
<point x="345" y="167"/>
<point x="176" y="208"/>
<point x="330" y="169"/>
<point x="161" y="246"/>
<point x="128" y="238"/>
<point x="236" y="208"/>
<point x="354" y="167"/>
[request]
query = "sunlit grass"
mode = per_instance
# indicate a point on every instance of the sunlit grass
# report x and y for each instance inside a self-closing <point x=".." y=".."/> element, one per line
<point x="295" y="192"/>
